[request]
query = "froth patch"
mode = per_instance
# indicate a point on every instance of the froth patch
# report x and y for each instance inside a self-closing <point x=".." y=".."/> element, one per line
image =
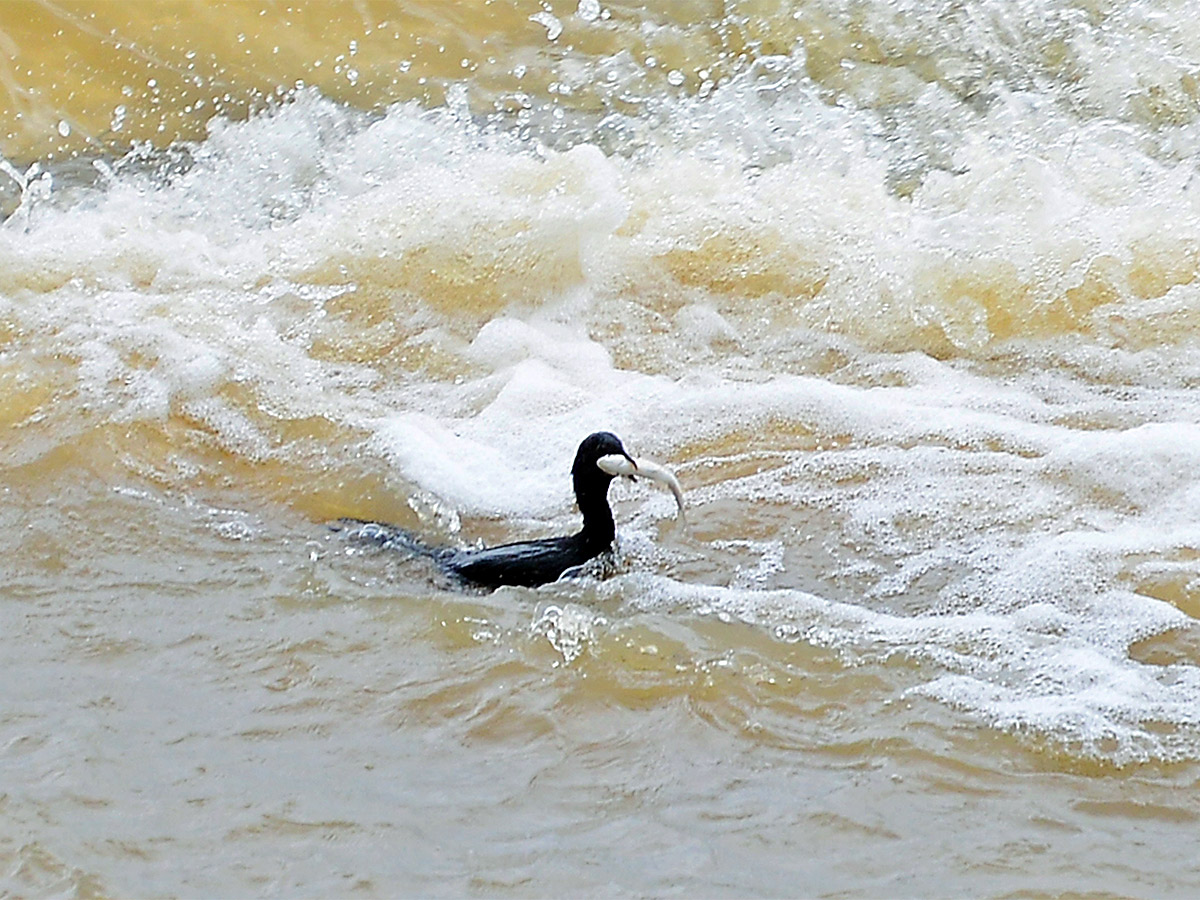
<point x="505" y="341"/>
<point x="1035" y="673"/>
<point x="484" y="477"/>
<point x="1153" y="467"/>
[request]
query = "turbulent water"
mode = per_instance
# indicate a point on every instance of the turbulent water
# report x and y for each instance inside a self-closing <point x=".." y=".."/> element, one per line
<point x="905" y="293"/>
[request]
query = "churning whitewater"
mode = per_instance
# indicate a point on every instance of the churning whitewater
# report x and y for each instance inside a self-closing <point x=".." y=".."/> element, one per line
<point x="1000" y="473"/>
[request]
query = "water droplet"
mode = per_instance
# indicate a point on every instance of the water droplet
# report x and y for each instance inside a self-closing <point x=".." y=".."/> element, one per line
<point x="589" y="10"/>
<point x="550" y="22"/>
<point x="64" y="128"/>
<point x="675" y="77"/>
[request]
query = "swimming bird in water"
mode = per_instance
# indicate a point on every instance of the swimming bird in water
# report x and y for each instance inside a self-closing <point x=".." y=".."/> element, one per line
<point x="600" y="458"/>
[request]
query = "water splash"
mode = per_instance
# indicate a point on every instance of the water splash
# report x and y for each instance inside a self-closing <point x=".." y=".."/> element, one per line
<point x="569" y="628"/>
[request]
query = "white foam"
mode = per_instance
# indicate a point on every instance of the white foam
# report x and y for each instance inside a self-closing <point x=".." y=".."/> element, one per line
<point x="1009" y="670"/>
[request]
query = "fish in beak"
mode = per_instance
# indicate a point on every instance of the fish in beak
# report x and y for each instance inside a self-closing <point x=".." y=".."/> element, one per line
<point x="619" y="464"/>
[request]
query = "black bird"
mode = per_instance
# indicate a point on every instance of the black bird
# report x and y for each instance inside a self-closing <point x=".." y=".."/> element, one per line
<point x="600" y="458"/>
<point x="532" y="563"/>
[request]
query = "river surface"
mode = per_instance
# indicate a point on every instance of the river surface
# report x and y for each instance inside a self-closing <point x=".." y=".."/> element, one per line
<point x="904" y="292"/>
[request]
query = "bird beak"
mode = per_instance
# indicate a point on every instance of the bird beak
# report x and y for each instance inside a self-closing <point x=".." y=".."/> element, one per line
<point x="632" y="462"/>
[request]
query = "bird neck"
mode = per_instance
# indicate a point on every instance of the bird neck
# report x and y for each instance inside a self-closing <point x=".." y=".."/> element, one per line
<point x="591" y="494"/>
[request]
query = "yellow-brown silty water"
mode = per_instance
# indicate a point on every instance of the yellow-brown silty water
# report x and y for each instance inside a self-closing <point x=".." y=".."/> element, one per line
<point x="905" y="294"/>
